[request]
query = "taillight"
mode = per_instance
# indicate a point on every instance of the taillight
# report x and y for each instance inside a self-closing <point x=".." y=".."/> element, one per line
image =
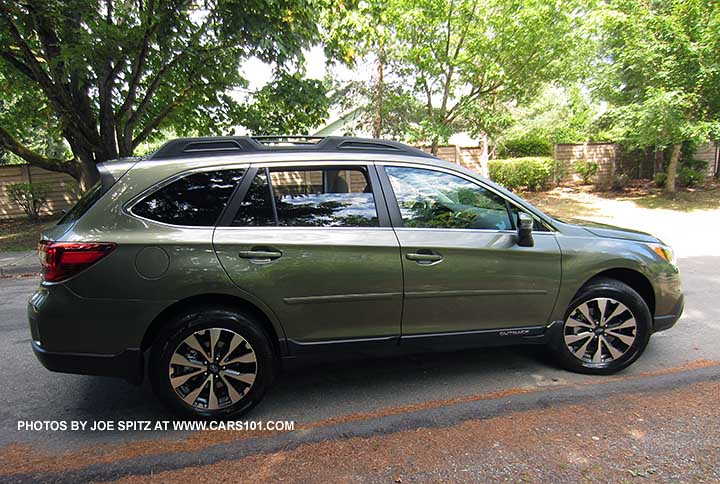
<point x="61" y="260"/>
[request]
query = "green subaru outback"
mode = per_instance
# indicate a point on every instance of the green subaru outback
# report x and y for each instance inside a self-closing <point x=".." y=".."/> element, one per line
<point x="215" y="259"/>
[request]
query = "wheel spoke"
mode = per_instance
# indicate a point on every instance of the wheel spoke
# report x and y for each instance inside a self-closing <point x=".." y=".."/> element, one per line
<point x="585" y="311"/>
<point x="628" y="340"/>
<point x="192" y="396"/>
<point x="597" y="356"/>
<point x="602" y="306"/>
<point x="580" y="352"/>
<point x="612" y="313"/>
<point x="235" y="342"/>
<point x="248" y="378"/>
<point x="213" y="403"/>
<point x="178" y="381"/>
<point x="630" y="323"/>
<point x="232" y="393"/>
<point x="614" y="352"/>
<point x="194" y="343"/>
<point x="178" y="359"/>
<point x="574" y="338"/>
<point x="576" y="323"/>
<point x="214" y="337"/>
<point x="247" y="358"/>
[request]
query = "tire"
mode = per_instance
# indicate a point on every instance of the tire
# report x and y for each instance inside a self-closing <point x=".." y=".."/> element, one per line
<point x="239" y="368"/>
<point x="622" y="332"/>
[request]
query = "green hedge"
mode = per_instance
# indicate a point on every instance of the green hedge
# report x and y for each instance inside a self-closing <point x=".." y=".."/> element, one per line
<point x="530" y="173"/>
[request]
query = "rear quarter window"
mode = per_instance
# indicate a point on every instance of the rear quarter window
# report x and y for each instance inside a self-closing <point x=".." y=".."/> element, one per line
<point x="194" y="200"/>
<point x="83" y="205"/>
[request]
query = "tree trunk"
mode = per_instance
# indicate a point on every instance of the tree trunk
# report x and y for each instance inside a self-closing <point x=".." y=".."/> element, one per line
<point x="434" y="146"/>
<point x="379" y="94"/>
<point x="659" y="161"/>
<point x="672" y="169"/>
<point x="485" y="155"/>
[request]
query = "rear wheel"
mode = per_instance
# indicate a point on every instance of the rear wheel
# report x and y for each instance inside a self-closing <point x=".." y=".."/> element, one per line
<point x="212" y="363"/>
<point x="606" y="328"/>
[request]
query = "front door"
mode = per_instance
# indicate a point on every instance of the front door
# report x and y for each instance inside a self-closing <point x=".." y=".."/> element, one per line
<point x="314" y="244"/>
<point x="463" y="269"/>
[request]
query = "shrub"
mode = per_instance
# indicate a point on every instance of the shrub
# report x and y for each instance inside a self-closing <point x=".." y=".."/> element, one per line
<point x="659" y="179"/>
<point x="619" y="182"/>
<point x="688" y="177"/>
<point x="586" y="170"/>
<point x="531" y="173"/>
<point x="31" y="197"/>
<point x="525" y="145"/>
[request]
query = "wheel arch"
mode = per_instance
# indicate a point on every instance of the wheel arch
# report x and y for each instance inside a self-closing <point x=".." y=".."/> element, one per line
<point x="633" y="278"/>
<point x="273" y="329"/>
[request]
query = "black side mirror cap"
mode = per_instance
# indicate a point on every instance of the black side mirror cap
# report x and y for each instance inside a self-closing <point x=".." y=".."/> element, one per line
<point x="524" y="230"/>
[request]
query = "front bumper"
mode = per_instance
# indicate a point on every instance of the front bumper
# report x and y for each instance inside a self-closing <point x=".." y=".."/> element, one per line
<point x="128" y="364"/>
<point x="661" y="323"/>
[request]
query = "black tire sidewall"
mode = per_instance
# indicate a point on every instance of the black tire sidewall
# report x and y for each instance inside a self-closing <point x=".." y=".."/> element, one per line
<point x="619" y="292"/>
<point x="186" y="324"/>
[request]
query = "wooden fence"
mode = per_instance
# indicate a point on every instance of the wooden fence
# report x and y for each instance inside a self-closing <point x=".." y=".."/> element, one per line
<point x="62" y="189"/>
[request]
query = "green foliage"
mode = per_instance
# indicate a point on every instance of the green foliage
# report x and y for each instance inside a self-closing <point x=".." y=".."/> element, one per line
<point x="528" y="144"/>
<point x="586" y="170"/>
<point x="31" y="197"/>
<point x="659" y="179"/>
<point x="462" y="61"/>
<point x="689" y="177"/>
<point x="531" y="173"/>
<point x="288" y="105"/>
<point x="653" y="69"/>
<point x="108" y="76"/>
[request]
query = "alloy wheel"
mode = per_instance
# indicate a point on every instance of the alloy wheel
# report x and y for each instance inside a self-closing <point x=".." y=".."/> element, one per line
<point x="212" y="368"/>
<point x="600" y="330"/>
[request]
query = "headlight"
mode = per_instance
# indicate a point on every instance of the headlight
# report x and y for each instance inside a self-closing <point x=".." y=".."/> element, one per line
<point x="664" y="252"/>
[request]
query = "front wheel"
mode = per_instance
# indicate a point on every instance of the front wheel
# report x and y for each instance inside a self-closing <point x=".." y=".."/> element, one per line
<point x="606" y="328"/>
<point x="211" y="363"/>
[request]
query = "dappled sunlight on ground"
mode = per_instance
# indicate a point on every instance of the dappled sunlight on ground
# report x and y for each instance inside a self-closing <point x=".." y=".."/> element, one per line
<point x="647" y="209"/>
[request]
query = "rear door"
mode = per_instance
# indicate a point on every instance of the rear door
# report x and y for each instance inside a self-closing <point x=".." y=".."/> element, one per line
<point x="463" y="269"/>
<point x="314" y="243"/>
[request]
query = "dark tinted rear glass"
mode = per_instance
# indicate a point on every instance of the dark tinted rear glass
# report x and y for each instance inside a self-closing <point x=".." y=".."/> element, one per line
<point x="86" y="201"/>
<point x="193" y="200"/>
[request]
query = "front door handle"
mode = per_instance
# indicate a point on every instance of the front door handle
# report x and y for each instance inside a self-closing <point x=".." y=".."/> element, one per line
<point x="424" y="257"/>
<point x="260" y="254"/>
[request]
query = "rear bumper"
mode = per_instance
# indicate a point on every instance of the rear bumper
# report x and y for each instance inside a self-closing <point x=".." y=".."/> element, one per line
<point x="661" y="323"/>
<point x="127" y="364"/>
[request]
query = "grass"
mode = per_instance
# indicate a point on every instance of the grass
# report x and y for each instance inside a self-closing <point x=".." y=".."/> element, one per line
<point x="22" y="234"/>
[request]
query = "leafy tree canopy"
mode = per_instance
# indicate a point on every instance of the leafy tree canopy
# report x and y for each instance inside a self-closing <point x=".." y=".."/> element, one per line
<point x="108" y="75"/>
<point x="659" y="68"/>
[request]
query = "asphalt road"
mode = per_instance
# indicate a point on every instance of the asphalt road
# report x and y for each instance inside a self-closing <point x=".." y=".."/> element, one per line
<point x="324" y="391"/>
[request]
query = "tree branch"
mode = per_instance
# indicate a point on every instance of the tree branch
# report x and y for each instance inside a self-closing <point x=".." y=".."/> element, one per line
<point x="8" y="142"/>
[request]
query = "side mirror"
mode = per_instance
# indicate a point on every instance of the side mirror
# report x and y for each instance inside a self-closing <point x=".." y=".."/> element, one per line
<point x="524" y="228"/>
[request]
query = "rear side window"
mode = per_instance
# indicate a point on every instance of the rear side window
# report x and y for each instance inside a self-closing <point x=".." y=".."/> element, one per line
<point x="194" y="200"/>
<point x="83" y="205"/>
<point x="320" y="197"/>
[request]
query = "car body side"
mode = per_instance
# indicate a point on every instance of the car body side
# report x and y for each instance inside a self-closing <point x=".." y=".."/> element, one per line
<point x="111" y="312"/>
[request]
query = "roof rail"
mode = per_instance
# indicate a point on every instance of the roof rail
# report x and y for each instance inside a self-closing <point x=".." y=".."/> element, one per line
<point x="238" y="145"/>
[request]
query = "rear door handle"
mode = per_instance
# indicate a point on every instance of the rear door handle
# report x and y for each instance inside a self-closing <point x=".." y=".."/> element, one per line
<point x="424" y="256"/>
<point x="260" y="254"/>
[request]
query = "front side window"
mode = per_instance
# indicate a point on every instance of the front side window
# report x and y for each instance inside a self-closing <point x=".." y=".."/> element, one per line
<point x="193" y="200"/>
<point x="433" y="199"/>
<point x="312" y="197"/>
